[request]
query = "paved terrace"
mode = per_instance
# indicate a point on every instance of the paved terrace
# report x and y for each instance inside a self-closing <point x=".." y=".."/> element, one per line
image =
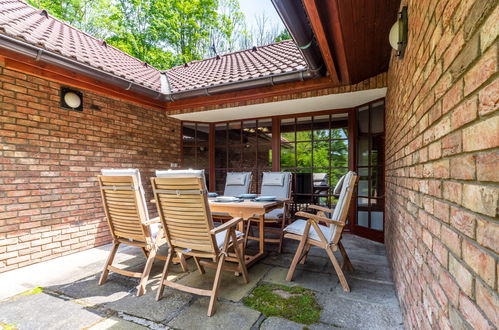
<point x="71" y="298"/>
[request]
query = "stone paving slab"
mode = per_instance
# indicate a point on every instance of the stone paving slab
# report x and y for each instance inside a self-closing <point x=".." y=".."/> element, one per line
<point x="231" y="287"/>
<point x="116" y="323"/>
<point x="147" y="307"/>
<point x="342" y="312"/>
<point x="310" y="280"/>
<point x="278" y="323"/>
<point x="228" y="316"/>
<point x="369" y="292"/>
<point x="43" y="311"/>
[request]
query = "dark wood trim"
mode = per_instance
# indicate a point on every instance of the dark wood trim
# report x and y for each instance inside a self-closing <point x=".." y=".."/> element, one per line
<point x="276" y="144"/>
<point x="320" y="34"/>
<point x="338" y="42"/>
<point x="27" y="65"/>
<point x="352" y="160"/>
<point x="252" y="94"/>
<point x="211" y="156"/>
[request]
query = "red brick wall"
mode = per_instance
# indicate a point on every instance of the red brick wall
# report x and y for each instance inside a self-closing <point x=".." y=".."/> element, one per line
<point x="49" y="158"/>
<point x="442" y="138"/>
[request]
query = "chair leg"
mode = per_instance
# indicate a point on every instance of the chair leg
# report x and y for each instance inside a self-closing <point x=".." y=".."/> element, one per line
<point x="164" y="275"/>
<point x="216" y="285"/>
<point x="296" y="259"/>
<point x="183" y="263"/>
<point x="109" y="261"/>
<point x="305" y="254"/>
<point x="246" y="234"/>
<point x="338" y="270"/>
<point x="240" y="257"/>
<point x="347" y="265"/>
<point x="145" y="252"/>
<point x="141" y="289"/>
<point x="198" y="265"/>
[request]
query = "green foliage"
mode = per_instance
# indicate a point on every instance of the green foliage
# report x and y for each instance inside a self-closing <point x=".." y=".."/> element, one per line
<point x="159" y="32"/>
<point x="298" y="305"/>
<point x="284" y="35"/>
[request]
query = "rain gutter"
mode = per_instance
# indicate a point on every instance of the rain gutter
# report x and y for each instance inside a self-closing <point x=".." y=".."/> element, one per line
<point x="163" y="95"/>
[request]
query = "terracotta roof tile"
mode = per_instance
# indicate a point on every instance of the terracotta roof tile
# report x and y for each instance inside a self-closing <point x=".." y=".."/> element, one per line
<point x="276" y="58"/>
<point x="21" y="21"/>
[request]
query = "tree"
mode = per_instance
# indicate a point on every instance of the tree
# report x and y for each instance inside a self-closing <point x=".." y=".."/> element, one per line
<point x="91" y="16"/>
<point x="230" y="30"/>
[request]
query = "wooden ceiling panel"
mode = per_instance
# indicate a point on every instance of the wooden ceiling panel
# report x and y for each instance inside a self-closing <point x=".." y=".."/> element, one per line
<point x="356" y="33"/>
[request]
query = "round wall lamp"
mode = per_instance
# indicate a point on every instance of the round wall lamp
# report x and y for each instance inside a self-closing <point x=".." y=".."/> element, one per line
<point x="399" y="32"/>
<point x="71" y="99"/>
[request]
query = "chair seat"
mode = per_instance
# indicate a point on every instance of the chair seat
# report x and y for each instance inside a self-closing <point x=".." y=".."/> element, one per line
<point x="220" y="237"/>
<point x="298" y="227"/>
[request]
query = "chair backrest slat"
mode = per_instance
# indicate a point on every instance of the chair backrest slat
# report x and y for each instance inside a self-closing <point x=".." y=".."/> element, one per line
<point x="341" y="210"/>
<point x="181" y="198"/>
<point x="124" y="204"/>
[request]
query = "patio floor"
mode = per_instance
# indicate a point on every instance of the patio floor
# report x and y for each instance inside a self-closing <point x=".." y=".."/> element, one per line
<point x="71" y="298"/>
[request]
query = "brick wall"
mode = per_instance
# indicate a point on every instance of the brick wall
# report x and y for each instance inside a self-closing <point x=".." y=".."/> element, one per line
<point x="49" y="158"/>
<point x="442" y="138"/>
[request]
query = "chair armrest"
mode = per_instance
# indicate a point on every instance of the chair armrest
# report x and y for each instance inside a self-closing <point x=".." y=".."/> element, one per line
<point x="226" y="225"/>
<point x="320" y="208"/>
<point x="151" y="221"/>
<point x="319" y="218"/>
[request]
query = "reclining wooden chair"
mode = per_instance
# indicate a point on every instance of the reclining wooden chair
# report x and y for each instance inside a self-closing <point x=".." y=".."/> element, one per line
<point x="274" y="184"/>
<point x="181" y="198"/>
<point x="128" y="219"/>
<point x="310" y="232"/>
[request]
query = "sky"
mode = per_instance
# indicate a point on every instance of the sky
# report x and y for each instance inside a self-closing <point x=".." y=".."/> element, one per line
<point x="252" y="8"/>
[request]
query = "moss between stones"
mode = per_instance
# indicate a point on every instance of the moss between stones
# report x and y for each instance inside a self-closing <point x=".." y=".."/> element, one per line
<point x="36" y="290"/>
<point x="6" y="326"/>
<point x="293" y="303"/>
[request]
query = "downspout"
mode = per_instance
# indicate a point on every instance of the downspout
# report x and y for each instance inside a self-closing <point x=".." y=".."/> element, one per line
<point x="296" y="21"/>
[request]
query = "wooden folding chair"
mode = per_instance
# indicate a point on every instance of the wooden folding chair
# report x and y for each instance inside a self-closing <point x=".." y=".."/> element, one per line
<point x="181" y="198"/>
<point x="277" y="218"/>
<point x="236" y="184"/>
<point x="310" y="232"/>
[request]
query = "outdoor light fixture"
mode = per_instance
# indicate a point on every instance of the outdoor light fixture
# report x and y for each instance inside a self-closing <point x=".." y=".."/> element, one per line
<point x="398" y="33"/>
<point x="71" y="99"/>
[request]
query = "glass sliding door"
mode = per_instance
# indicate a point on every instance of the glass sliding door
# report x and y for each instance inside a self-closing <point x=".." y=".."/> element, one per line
<point x="196" y="146"/>
<point x="243" y="146"/>
<point x="370" y="167"/>
<point x="315" y="148"/>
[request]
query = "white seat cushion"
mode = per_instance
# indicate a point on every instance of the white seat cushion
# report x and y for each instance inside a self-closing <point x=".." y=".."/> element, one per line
<point x="298" y="227"/>
<point x="275" y="214"/>
<point x="220" y="237"/>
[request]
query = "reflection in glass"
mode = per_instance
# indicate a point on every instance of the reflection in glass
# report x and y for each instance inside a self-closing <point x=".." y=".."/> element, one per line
<point x="377" y="220"/>
<point x="363" y="219"/>
<point x="321" y="127"/>
<point x="363" y="151"/>
<point x="304" y="154"/>
<point x="339" y="153"/>
<point x="287" y="154"/>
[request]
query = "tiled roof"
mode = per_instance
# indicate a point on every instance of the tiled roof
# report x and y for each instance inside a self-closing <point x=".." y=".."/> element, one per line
<point x="21" y="21"/>
<point x="276" y="58"/>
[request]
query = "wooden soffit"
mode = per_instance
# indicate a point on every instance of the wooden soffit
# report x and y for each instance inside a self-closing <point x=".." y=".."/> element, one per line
<point x="353" y="35"/>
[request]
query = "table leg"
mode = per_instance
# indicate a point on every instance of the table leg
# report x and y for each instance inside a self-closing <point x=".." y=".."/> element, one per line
<point x="261" y="232"/>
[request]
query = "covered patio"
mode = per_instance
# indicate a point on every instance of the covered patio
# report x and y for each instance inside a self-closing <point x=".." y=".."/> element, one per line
<point x="388" y="154"/>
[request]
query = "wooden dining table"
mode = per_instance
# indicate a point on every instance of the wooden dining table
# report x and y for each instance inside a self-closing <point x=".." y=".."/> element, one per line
<point x="249" y="209"/>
